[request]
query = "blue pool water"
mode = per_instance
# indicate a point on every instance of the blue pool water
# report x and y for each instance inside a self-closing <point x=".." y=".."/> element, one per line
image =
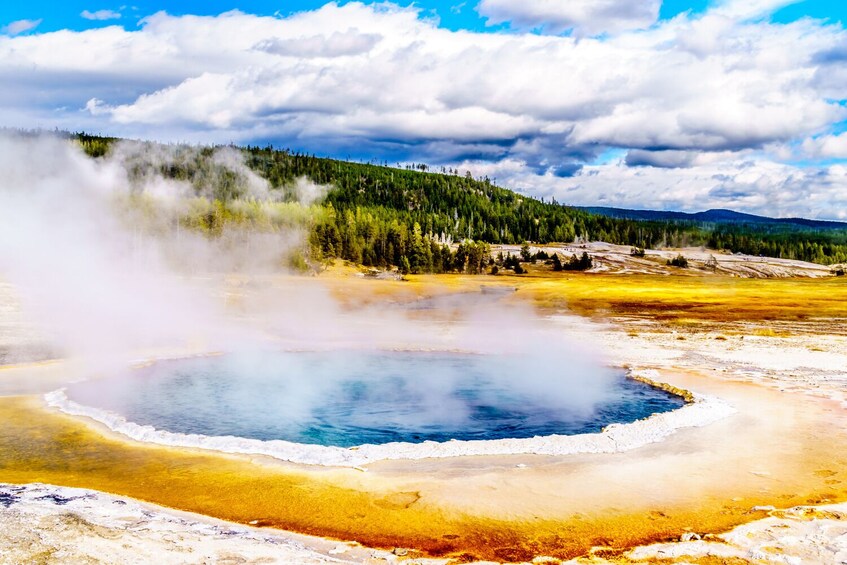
<point x="352" y="398"/>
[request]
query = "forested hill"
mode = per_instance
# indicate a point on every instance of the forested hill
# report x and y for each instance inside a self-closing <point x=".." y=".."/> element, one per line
<point x="718" y="216"/>
<point x="380" y="215"/>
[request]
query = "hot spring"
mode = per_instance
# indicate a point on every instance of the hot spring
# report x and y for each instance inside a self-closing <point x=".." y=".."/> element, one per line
<point x="351" y="398"/>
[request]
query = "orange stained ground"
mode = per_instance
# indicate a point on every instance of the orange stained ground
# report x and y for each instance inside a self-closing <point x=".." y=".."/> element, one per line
<point x="706" y="298"/>
<point x="778" y="450"/>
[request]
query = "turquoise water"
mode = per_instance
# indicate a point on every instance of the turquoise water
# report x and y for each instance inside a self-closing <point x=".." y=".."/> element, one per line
<point x="352" y="398"/>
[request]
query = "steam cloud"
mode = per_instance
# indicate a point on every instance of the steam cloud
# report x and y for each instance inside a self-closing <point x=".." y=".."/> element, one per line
<point x="96" y="252"/>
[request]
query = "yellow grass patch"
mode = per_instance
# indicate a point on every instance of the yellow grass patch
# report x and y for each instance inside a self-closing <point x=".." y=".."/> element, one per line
<point x="684" y="301"/>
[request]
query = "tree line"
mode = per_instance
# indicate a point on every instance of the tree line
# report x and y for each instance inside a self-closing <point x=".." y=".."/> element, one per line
<point x="411" y="218"/>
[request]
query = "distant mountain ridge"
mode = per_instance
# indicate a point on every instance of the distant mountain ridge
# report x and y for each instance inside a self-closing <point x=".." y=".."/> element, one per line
<point x="382" y="216"/>
<point x="715" y="216"/>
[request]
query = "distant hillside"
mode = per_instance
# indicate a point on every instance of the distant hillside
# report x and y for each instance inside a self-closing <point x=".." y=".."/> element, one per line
<point x="388" y="216"/>
<point x="715" y="216"/>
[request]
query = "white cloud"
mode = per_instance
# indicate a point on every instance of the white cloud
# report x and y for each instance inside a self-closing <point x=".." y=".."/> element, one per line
<point x="586" y="17"/>
<point x="757" y="186"/>
<point x="688" y="95"/>
<point x="826" y="147"/>
<point x="746" y="9"/>
<point x="671" y="159"/>
<point x="95" y="107"/>
<point x="419" y="83"/>
<point x="339" y="44"/>
<point x="100" y="15"/>
<point x="20" y="26"/>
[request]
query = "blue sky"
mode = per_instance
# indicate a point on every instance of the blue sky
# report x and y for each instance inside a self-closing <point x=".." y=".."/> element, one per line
<point x="453" y="14"/>
<point x="673" y="104"/>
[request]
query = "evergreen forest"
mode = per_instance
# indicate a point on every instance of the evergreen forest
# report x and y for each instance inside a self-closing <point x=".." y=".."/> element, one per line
<point x="424" y="220"/>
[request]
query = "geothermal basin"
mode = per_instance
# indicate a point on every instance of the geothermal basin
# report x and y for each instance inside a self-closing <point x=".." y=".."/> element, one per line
<point x="344" y="399"/>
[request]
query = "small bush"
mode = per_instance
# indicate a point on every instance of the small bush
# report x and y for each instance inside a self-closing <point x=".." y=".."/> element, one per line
<point x="578" y="263"/>
<point x="510" y="262"/>
<point x="557" y="263"/>
<point x="679" y="261"/>
<point x="526" y="255"/>
<point x="297" y="262"/>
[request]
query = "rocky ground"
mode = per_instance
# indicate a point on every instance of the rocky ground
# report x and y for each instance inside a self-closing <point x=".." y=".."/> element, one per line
<point x="804" y="534"/>
<point x="807" y="358"/>
<point x="619" y="259"/>
<point x="47" y="524"/>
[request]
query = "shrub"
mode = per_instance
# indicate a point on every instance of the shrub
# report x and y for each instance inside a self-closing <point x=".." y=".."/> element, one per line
<point x="579" y="263"/>
<point x="526" y="256"/>
<point x="297" y="262"/>
<point x="557" y="263"/>
<point x="679" y="261"/>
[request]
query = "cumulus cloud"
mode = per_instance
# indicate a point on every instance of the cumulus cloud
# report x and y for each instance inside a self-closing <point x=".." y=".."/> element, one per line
<point x="585" y="17"/>
<point x="751" y="8"/>
<point x="20" y="26"/>
<point x="100" y="15"/>
<point x="339" y="44"/>
<point x="743" y="87"/>
<point x="826" y="147"/>
<point x="755" y="185"/>
<point x="385" y="81"/>
<point x="376" y="77"/>
<point x="671" y="159"/>
<point x="834" y="55"/>
<point x="95" y="107"/>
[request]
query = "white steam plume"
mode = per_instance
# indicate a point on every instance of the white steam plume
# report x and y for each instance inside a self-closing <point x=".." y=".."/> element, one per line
<point x="97" y="252"/>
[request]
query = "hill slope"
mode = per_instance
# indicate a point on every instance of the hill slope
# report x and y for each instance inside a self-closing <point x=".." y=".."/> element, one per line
<point x="379" y="215"/>
<point x="716" y="216"/>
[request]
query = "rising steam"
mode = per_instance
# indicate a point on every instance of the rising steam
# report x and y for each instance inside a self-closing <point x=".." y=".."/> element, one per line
<point x="100" y="254"/>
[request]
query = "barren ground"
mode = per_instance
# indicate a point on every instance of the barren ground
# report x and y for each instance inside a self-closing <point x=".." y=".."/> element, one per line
<point x="766" y="485"/>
